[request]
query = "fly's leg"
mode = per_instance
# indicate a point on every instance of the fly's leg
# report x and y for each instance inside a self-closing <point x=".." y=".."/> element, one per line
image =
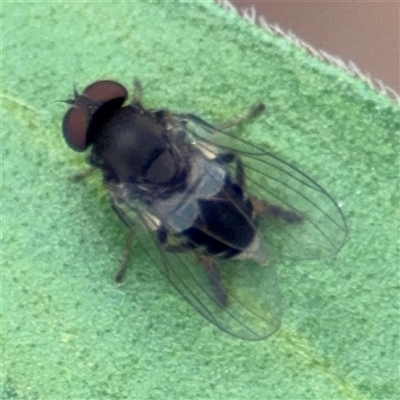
<point x="94" y="162"/>
<point x="128" y="246"/>
<point x="273" y="211"/>
<point x="83" y="175"/>
<point x="180" y="248"/>
<point x="261" y="207"/>
<point x="125" y="259"/>
<point x="138" y="92"/>
<point x="240" y="173"/>
<point x="213" y="273"/>
<point x="254" y="112"/>
<point x="208" y="263"/>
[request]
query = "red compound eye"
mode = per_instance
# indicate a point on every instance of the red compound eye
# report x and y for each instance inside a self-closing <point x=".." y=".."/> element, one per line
<point x="77" y="119"/>
<point x="75" y="127"/>
<point x="103" y="91"/>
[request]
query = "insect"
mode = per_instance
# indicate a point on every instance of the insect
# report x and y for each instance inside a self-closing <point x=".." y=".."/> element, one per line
<point x="213" y="211"/>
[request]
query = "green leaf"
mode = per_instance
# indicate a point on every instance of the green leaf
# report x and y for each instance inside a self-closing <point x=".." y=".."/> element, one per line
<point x="69" y="332"/>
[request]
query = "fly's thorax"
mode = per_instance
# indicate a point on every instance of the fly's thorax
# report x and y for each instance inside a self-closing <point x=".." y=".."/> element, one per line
<point x="133" y="147"/>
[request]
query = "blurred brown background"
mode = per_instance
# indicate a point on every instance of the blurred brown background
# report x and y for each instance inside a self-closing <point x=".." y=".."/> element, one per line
<point x="367" y="33"/>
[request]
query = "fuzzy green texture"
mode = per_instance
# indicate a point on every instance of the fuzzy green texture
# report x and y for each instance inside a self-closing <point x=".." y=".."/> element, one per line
<point x="69" y="332"/>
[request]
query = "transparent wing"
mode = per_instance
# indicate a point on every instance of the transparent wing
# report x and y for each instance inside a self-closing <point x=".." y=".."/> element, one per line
<point x="242" y="297"/>
<point x="323" y="230"/>
<point x="252" y="308"/>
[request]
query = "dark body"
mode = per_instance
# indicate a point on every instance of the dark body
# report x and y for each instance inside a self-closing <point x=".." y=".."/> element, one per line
<point x="188" y="192"/>
<point x="193" y="197"/>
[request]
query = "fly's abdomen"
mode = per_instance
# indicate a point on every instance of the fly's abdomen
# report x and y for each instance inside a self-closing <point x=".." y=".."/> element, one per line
<point x="224" y="226"/>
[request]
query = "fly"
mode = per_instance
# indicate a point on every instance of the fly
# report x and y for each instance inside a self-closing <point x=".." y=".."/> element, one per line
<point x="212" y="210"/>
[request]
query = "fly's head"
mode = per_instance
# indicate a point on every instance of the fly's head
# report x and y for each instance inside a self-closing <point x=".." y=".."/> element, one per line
<point x="128" y="143"/>
<point x="89" y="110"/>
